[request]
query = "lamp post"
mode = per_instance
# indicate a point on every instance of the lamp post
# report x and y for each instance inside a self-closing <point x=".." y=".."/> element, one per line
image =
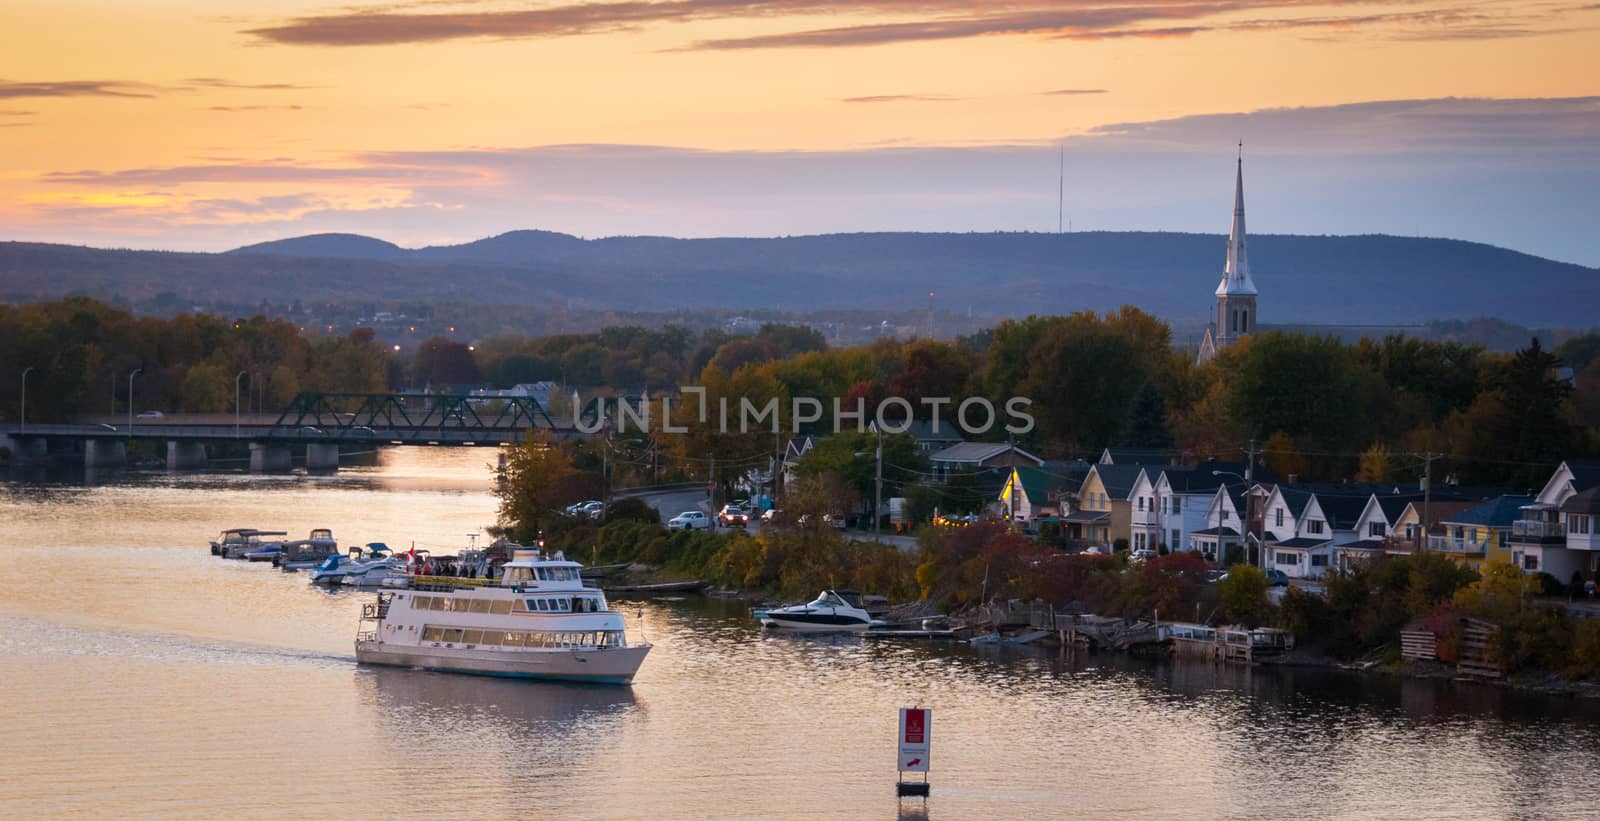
<point x="136" y="372"/>
<point x="23" y="425"/>
<point x="236" y="406"/>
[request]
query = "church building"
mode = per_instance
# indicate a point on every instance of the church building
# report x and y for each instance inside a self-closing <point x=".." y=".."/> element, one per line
<point x="1236" y="293"/>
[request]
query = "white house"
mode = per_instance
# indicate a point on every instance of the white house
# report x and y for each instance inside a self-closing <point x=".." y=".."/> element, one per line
<point x="1546" y="538"/>
<point x="1184" y="497"/>
<point x="1295" y="532"/>
<point x="1224" y="523"/>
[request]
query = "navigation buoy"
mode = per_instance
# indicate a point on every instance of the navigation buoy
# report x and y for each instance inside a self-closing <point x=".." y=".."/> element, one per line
<point x="914" y="741"/>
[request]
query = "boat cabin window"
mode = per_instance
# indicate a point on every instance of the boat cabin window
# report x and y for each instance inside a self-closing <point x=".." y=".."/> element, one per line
<point x="472" y="637"/>
<point x="432" y="633"/>
<point x="557" y="574"/>
<point x="500" y="607"/>
<point x="830" y="599"/>
<point x="480" y="605"/>
<point x="518" y="574"/>
<point x="452" y="635"/>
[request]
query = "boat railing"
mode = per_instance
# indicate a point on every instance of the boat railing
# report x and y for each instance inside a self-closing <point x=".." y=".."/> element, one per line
<point x="448" y="583"/>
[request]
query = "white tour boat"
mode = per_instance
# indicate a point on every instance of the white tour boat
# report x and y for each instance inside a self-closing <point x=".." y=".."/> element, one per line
<point x="536" y="620"/>
<point x="832" y="611"/>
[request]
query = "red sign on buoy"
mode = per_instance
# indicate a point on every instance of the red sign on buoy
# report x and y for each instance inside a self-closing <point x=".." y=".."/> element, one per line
<point x="915" y="738"/>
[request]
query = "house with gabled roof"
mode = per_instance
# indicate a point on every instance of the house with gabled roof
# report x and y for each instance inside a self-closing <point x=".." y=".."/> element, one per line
<point x="1482" y="533"/>
<point x="977" y="455"/>
<point x="1295" y="533"/>
<point x="1032" y="493"/>
<point x="1541" y="538"/>
<point x="1183" y="500"/>
<point x="1104" y="503"/>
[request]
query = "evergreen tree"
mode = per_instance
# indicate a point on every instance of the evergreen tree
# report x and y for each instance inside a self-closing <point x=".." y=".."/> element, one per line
<point x="1534" y="427"/>
<point x="1147" y="420"/>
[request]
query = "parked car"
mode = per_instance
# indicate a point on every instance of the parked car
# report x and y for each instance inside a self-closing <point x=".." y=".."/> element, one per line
<point x="733" y="516"/>
<point x="104" y="426"/>
<point x="773" y="516"/>
<point x="1277" y="578"/>
<point x="834" y="519"/>
<point x="690" y="520"/>
<point x="1097" y="550"/>
<point x="150" y="414"/>
<point x="574" y="508"/>
<point x="303" y="428"/>
<point x="1143" y="554"/>
<point x="593" y="510"/>
<point x="363" y="430"/>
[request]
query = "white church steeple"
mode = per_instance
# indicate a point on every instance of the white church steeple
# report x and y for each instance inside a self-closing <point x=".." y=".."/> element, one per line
<point x="1236" y="292"/>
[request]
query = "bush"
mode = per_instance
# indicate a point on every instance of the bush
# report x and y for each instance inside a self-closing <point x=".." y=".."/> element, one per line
<point x="633" y="509"/>
<point x="1243" y="594"/>
<point x="1233" y="555"/>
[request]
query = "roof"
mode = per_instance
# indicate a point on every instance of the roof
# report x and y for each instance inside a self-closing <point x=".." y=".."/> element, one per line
<point x="1088" y="516"/>
<point x="1342" y="510"/>
<point x="922" y="431"/>
<point x="1191" y="480"/>
<point x="1586" y="502"/>
<point x="1136" y="456"/>
<point x="1300" y="543"/>
<point x="1439" y="511"/>
<point x="1498" y="512"/>
<point x="1585" y="473"/>
<point x="1052" y="480"/>
<point x="1118" y="479"/>
<point x="979" y="452"/>
<point x="1364" y="544"/>
<point x="1216" y="531"/>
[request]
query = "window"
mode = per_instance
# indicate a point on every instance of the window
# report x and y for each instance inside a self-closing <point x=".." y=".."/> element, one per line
<point x="1286" y="558"/>
<point x="437" y="602"/>
<point x="500" y="608"/>
<point x="1411" y="532"/>
<point x="1225" y="514"/>
<point x="432" y="633"/>
<point x="1577" y="524"/>
<point x="492" y="637"/>
<point x="1376" y="529"/>
<point x="1530" y="562"/>
<point x="1319" y="561"/>
<point x="515" y="639"/>
<point x="480" y="605"/>
<point x="1176" y="539"/>
<point x="1141" y="504"/>
<point x="1177" y="505"/>
<point x="472" y="637"/>
<point x="419" y="602"/>
<point x="1314" y="526"/>
<point x="1278" y="517"/>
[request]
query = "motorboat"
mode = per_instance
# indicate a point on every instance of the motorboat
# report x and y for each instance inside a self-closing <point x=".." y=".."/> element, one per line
<point x="536" y="620"/>
<point x="831" y="612"/>
<point x="336" y="567"/>
<point x="235" y="543"/>
<point x="309" y="552"/>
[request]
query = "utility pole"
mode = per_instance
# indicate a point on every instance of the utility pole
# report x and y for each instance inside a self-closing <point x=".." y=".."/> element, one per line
<point x="711" y="491"/>
<point x="1249" y="466"/>
<point x="1427" y="495"/>
<point x="877" y="504"/>
<point x="24" y="423"/>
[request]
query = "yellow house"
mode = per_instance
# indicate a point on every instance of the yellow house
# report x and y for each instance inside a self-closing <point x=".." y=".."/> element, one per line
<point x="1480" y="534"/>
<point x="1104" y="511"/>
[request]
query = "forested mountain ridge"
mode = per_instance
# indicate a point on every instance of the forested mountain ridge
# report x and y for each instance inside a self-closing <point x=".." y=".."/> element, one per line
<point x="1372" y="279"/>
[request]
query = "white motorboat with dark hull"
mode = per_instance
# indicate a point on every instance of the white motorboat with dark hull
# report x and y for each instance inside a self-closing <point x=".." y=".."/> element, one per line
<point x="833" y="611"/>
<point x="536" y="621"/>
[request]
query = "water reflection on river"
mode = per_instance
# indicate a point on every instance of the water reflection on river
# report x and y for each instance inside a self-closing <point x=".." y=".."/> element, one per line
<point x="144" y="677"/>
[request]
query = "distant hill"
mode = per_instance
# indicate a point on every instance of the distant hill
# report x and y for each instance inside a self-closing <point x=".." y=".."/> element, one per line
<point x="328" y="246"/>
<point x="1374" y="279"/>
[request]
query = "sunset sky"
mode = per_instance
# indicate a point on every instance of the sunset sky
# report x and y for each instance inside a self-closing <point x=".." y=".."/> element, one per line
<point x="194" y="125"/>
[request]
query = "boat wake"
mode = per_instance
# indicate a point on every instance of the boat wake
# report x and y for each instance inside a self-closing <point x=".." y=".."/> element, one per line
<point x="23" y="637"/>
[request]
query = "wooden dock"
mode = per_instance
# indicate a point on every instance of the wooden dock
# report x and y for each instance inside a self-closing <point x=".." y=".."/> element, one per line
<point x="1237" y="645"/>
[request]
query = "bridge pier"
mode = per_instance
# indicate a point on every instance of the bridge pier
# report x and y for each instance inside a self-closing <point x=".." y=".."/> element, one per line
<point x="322" y="457"/>
<point x="105" y="453"/>
<point x="266" y="457"/>
<point x="25" y="449"/>
<point x="185" y="455"/>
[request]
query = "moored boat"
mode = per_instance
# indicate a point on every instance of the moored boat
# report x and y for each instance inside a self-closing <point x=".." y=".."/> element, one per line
<point x="235" y="543"/>
<point x="308" y="552"/>
<point x="831" y="612"/>
<point x="537" y="620"/>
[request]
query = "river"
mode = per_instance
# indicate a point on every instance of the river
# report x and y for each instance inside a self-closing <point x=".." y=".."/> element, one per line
<point x="144" y="677"/>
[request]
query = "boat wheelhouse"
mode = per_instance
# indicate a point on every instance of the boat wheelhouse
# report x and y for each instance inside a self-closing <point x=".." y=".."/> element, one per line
<point x="537" y="620"/>
<point x="234" y="543"/>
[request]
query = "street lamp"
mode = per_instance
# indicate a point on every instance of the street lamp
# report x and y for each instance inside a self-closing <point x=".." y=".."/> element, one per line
<point x="136" y="372"/>
<point x="23" y="426"/>
<point x="236" y="406"/>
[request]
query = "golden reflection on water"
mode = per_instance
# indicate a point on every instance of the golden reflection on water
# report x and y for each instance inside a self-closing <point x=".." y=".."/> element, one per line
<point x="143" y="677"/>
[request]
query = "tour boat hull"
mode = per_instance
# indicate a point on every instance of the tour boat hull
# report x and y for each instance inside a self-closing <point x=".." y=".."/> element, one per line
<point x="616" y="665"/>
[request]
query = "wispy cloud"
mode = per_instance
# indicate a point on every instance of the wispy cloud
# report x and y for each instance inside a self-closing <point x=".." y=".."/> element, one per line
<point x="219" y="82"/>
<point x="912" y="21"/>
<point x="14" y="90"/>
<point x="263" y="173"/>
<point x="1072" y="92"/>
<point x="901" y="98"/>
<point x="234" y="108"/>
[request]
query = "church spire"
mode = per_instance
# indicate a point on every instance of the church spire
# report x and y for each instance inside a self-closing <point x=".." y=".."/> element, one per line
<point x="1236" y="273"/>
